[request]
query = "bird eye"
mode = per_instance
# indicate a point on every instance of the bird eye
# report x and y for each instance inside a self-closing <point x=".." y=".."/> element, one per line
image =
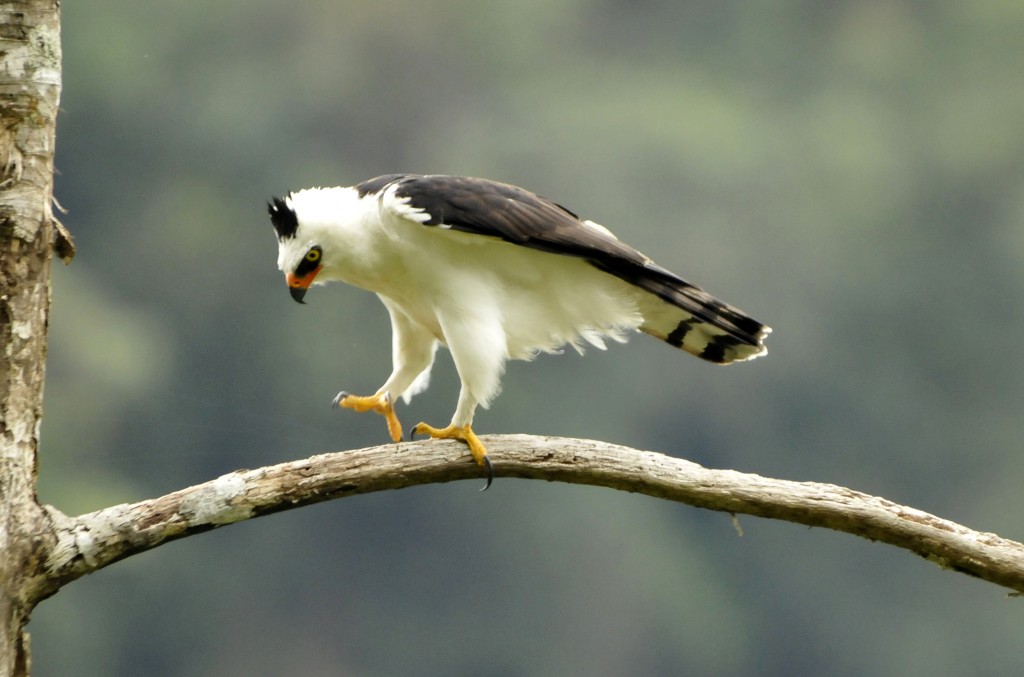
<point x="313" y="255"/>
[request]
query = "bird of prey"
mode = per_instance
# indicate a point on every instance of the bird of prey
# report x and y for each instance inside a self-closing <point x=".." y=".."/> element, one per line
<point x="494" y="272"/>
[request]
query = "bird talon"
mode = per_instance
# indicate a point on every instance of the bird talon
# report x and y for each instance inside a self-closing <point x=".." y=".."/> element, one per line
<point x="463" y="433"/>
<point x="490" y="473"/>
<point x="379" y="403"/>
<point x="336" y="402"/>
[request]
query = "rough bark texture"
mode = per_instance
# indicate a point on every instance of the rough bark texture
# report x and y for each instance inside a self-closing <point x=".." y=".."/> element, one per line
<point x="29" y="95"/>
<point x="94" y="540"/>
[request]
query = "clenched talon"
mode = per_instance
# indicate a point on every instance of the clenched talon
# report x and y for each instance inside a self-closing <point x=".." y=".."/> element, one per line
<point x="336" y="402"/>
<point x="465" y="434"/>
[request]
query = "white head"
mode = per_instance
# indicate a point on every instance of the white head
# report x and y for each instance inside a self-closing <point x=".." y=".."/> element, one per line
<point x="307" y="225"/>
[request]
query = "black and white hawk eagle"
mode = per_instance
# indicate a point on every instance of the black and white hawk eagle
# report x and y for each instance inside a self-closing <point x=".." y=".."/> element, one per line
<point x="493" y="272"/>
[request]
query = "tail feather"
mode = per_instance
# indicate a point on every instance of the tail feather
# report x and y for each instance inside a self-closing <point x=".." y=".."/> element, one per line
<point x="687" y="317"/>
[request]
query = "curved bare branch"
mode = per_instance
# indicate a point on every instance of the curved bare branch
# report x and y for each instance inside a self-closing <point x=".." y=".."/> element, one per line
<point x="91" y="541"/>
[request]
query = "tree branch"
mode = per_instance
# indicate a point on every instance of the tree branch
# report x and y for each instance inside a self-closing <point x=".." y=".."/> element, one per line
<point x="91" y="541"/>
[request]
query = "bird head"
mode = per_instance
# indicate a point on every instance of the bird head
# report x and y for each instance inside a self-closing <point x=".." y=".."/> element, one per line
<point x="299" y="258"/>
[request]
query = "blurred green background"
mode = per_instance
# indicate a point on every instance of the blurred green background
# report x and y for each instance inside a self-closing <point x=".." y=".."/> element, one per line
<point x="851" y="173"/>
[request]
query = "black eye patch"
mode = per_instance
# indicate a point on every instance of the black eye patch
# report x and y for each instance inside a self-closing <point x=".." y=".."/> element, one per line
<point x="309" y="262"/>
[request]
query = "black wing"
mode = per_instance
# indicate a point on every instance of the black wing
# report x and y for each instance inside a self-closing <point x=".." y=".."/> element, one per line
<point x="516" y="215"/>
<point x="501" y="210"/>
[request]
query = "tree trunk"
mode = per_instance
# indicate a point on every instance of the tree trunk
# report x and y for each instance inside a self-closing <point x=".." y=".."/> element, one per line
<point x="29" y="96"/>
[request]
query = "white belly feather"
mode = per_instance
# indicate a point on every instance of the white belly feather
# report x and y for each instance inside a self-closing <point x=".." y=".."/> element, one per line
<point x="541" y="301"/>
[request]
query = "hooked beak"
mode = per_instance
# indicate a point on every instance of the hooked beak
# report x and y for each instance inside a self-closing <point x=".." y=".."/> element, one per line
<point x="297" y="286"/>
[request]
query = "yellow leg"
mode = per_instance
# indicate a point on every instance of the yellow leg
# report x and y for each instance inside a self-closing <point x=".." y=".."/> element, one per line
<point x="465" y="434"/>
<point x="379" y="403"/>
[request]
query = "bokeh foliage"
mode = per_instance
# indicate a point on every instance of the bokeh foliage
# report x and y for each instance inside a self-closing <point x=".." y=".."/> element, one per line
<point x="851" y="173"/>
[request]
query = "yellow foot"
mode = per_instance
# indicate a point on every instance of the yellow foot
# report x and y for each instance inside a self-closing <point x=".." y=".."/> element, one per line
<point x="465" y="434"/>
<point x="380" y="403"/>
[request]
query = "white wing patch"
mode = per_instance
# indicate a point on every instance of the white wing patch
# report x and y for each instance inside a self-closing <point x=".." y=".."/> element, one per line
<point x="400" y="207"/>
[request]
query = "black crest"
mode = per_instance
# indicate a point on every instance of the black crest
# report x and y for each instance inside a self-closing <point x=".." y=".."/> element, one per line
<point x="283" y="217"/>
